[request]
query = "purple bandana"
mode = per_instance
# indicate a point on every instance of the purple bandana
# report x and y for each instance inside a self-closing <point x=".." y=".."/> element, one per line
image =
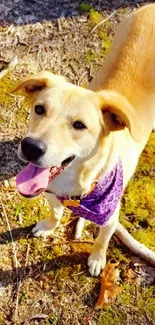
<point x="99" y="205"/>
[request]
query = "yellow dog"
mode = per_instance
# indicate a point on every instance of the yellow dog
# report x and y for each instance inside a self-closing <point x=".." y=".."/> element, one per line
<point x="81" y="142"/>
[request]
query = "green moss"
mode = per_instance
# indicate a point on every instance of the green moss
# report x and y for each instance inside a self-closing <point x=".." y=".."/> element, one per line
<point x="128" y="295"/>
<point x="22" y="113"/>
<point x="138" y="203"/>
<point x="85" y="7"/>
<point x="66" y="217"/>
<point x="139" y="198"/>
<point x="6" y="85"/>
<point x="58" y="250"/>
<point x="147" y="159"/>
<point x="32" y="210"/>
<point x="106" y="41"/>
<point x="92" y="55"/>
<point x="146" y="237"/>
<point x="23" y="297"/>
<point x="111" y="317"/>
<point x="23" y="242"/>
<point x="18" y="107"/>
<point x="129" y="298"/>
<point x="147" y="295"/>
<point x="1" y="318"/>
<point x="95" y="17"/>
<point x="122" y="11"/>
<point x="52" y="320"/>
<point x="116" y="254"/>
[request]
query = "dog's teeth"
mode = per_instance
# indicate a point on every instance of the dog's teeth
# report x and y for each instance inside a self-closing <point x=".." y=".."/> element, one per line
<point x="53" y="170"/>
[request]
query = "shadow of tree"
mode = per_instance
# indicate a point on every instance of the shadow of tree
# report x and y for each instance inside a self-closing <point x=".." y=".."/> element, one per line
<point x="43" y="267"/>
<point x="31" y="11"/>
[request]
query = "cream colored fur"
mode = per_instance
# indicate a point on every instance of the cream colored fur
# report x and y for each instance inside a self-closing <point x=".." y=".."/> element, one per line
<point x="125" y="87"/>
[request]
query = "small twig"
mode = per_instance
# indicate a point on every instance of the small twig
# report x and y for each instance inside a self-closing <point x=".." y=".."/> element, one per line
<point x="20" y="218"/>
<point x="128" y="12"/>
<point x="91" y="71"/>
<point x="82" y="79"/>
<point x="79" y="241"/>
<point x="59" y="25"/>
<point x="135" y="247"/>
<point x="75" y="241"/>
<point x="38" y="316"/>
<point x="11" y="236"/>
<point x="10" y="28"/>
<point x="8" y="67"/>
<point x="17" y="300"/>
<point x="16" y="96"/>
<point x="70" y="221"/>
<point x="27" y="254"/>
<point x="103" y="21"/>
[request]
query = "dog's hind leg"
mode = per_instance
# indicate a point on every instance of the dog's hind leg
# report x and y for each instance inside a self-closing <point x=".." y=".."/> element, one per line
<point x="97" y="259"/>
<point x="46" y="227"/>
<point x="79" y="228"/>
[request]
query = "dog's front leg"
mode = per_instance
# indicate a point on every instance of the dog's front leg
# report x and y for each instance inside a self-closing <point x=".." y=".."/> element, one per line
<point x="45" y="227"/>
<point x="97" y="259"/>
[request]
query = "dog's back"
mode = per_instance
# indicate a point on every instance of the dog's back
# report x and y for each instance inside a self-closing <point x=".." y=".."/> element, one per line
<point x="129" y="68"/>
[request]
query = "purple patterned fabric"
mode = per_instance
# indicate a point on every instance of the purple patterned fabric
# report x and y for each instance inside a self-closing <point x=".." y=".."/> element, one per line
<point x="99" y="205"/>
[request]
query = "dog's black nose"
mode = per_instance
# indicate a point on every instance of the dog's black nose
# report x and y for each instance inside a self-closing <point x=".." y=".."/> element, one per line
<point x="33" y="149"/>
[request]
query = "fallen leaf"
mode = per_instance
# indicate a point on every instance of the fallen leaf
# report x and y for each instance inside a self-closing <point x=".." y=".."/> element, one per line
<point x="109" y="289"/>
<point x="145" y="271"/>
<point x="133" y="274"/>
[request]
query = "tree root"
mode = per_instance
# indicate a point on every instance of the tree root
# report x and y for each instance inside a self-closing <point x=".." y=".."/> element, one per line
<point x="136" y="247"/>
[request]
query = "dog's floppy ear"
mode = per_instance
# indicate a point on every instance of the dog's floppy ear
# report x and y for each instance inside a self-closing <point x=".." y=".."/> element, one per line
<point x="37" y="82"/>
<point x="121" y="113"/>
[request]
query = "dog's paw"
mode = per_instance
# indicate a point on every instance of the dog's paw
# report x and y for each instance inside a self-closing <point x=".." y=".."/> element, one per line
<point x="42" y="229"/>
<point x="96" y="263"/>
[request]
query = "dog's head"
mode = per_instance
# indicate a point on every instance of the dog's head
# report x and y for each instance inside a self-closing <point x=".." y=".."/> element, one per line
<point x="66" y="125"/>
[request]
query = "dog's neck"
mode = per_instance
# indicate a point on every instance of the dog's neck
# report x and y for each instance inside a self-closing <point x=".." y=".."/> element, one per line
<point x="76" y="180"/>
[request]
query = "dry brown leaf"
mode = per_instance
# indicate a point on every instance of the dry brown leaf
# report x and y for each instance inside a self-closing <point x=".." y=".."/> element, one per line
<point x="132" y="275"/>
<point x="145" y="273"/>
<point x="109" y="289"/>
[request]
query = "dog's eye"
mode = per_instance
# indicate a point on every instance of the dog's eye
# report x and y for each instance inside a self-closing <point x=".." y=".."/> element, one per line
<point x="40" y="109"/>
<point x="78" y="125"/>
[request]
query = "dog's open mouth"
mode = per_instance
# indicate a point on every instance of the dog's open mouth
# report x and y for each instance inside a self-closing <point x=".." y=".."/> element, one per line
<point x="33" y="180"/>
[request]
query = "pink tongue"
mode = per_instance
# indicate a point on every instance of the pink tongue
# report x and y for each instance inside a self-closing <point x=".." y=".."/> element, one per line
<point x="32" y="179"/>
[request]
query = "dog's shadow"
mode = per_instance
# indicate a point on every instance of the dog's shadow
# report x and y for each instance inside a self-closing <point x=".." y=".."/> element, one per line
<point x="18" y="233"/>
<point x="10" y="164"/>
<point x="43" y="267"/>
